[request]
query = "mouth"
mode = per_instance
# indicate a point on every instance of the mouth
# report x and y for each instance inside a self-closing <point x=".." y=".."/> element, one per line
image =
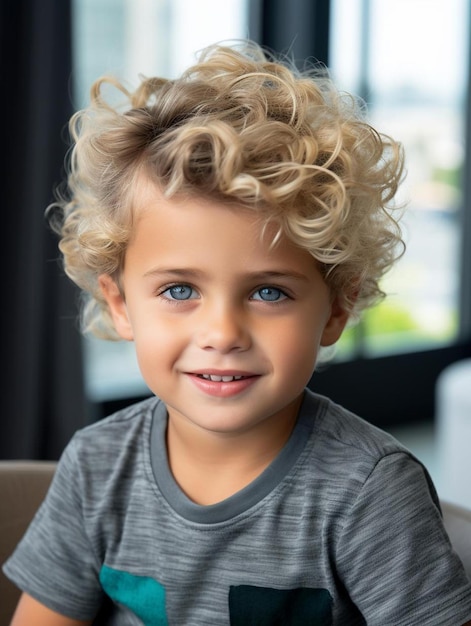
<point x="223" y="384"/>
<point x="216" y="378"/>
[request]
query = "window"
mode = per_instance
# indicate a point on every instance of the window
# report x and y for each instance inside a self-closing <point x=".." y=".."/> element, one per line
<point x="151" y="37"/>
<point x="408" y="60"/>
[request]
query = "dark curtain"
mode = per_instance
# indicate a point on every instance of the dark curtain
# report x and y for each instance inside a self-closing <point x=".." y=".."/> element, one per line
<point x="42" y="381"/>
<point x="299" y="28"/>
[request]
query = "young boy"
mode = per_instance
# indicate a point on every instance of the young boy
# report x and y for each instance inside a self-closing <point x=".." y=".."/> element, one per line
<point x="229" y="223"/>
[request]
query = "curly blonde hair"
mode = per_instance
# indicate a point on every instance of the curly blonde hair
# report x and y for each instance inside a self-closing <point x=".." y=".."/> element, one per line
<point x="241" y="127"/>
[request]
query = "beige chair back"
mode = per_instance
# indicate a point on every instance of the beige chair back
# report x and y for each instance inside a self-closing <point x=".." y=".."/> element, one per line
<point x="23" y="485"/>
<point x="458" y="525"/>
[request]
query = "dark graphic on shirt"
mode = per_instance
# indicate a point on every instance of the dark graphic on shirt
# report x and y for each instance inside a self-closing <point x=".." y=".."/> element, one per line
<point x="260" y="606"/>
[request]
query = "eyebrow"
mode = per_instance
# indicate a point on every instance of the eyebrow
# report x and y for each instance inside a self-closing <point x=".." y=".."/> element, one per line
<point x="175" y="271"/>
<point x="278" y="274"/>
<point x="262" y="275"/>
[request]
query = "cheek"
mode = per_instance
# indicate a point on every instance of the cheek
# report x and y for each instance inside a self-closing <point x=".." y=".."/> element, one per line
<point x="296" y="348"/>
<point x="156" y="354"/>
<point x="155" y="341"/>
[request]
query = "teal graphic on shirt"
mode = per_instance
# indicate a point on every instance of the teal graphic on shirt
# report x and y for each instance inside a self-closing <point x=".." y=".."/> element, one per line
<point x="143" y="595"/>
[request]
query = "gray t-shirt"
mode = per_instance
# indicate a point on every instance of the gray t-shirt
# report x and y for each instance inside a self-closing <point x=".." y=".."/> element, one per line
<point x="343" y="528"/>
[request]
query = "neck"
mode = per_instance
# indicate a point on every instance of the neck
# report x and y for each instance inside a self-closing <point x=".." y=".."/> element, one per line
<point x="212" y="466"/>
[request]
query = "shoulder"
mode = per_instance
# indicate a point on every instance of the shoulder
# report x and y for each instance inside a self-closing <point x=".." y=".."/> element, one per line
<point x="126" y="426"/>
<point x="114" y="449"/>
<point x="343" y="428"/>
<point x="352" y="450"/>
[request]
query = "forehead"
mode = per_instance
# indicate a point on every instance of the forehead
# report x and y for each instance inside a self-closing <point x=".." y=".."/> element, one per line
<point x="195" y="225"/>
<point x="190" y="211"/>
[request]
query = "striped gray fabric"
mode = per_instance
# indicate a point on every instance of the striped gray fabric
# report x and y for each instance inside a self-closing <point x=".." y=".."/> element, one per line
<point x="343" y="528"/>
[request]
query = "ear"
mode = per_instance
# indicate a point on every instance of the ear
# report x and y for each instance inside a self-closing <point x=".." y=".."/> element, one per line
<point x="117" y="306"/>
<point x="335" y="324"/>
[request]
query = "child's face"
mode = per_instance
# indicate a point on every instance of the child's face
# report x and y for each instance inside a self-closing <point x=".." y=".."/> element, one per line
<point x="226" y="329"/>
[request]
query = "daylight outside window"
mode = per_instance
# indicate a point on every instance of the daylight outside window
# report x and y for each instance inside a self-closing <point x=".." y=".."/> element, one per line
<point x="408" y="60"/>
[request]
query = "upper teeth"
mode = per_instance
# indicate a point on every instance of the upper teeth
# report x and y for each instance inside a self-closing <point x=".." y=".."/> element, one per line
<point x="219" y="379"/>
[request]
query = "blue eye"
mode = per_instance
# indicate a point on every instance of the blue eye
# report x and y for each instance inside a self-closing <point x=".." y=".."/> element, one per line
<point x="269" y="294"/>
<point x="180" y="292"/>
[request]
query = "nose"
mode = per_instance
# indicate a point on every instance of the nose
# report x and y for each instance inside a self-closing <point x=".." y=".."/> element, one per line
<point x="223" y="328"/>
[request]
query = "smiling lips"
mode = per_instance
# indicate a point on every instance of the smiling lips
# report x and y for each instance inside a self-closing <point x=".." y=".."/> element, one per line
<point x="222" y="385"/>
<point x="218" y="379"/>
